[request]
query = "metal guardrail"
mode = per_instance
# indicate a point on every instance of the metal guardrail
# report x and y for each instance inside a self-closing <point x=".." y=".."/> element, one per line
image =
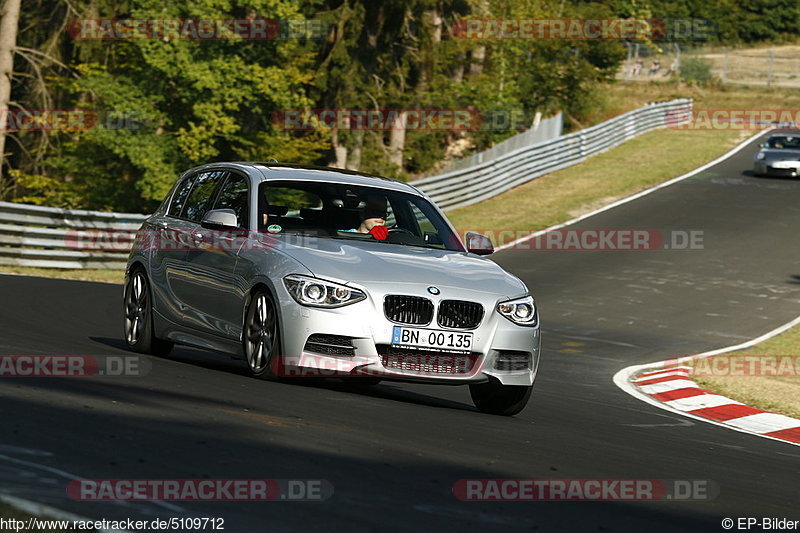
<point x="545" y="130"/>
<point x="36" y="236"/>
<point x="467" y="186"/>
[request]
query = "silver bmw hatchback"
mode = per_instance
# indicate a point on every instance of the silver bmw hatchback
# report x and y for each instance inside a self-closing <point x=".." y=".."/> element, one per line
<point x="316" y="272"/>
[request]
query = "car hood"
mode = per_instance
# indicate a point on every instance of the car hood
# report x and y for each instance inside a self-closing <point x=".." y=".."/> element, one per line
<point x="357" y="262"/>
<point x="773" y="154"/>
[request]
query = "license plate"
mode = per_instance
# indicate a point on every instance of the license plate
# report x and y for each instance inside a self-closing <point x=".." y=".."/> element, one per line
<point x="435" y="339"/>
<point x="786" y="164"/>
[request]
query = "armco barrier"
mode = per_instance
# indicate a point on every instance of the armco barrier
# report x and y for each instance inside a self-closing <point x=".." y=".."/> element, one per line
<point x="471" y="185"/>
<point x="38" y="236"/>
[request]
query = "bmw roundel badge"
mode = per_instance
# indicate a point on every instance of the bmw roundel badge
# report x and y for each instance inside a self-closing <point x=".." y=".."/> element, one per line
<point x="433" y="290"/>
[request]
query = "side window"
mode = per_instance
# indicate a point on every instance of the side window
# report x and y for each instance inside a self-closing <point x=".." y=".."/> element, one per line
<point x="424" y="223"/>
<point x="180" y="197"/>
<point x="427" y="229"/>
<point x="233" y="195"/>
<point x="391" y="220"/>
<point x="202" y="193"/>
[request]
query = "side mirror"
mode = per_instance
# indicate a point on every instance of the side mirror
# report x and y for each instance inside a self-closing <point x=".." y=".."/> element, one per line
<point x="220" y="219"/>
<point x="479" y="244"/>
<point x="764" y="145"/>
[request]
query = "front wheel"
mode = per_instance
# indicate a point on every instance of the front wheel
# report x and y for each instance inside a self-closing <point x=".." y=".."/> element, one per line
<point x="138" y="320"/>
<point x="261" y="336"/>
<point x="497" y="399"/>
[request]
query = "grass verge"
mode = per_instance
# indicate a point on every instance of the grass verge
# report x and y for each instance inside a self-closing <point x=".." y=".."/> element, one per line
<point x="104" y="276"/>
<point x="558" y="197"/>
<point x="636" y="165"/>
<point x="766" y="376"/>
<point x="620" y="97"/>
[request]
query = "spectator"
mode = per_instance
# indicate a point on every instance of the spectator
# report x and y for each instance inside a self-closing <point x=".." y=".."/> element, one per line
<point x="373" y="218"/>
<point x="655" y="67"/>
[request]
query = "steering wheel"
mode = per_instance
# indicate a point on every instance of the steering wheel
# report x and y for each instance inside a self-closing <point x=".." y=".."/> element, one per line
<point x="401" y="230"/>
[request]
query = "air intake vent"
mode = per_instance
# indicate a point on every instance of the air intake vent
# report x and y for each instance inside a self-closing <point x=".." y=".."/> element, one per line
<point x="408" y="309"/>
<point x="330" y="345"/>
<point x="460" y="314"/>
<point x="509" y="360"/>
<point x="426" y="361"/>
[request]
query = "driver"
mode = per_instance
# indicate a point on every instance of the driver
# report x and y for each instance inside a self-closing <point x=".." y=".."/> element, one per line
<point x="373" y="218"/>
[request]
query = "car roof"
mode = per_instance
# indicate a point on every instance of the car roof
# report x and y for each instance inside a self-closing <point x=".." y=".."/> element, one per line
<point x="271" y="171"/>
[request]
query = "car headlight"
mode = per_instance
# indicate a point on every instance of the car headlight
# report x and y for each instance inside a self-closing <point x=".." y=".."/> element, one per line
<point x="316" y="292"/>
<point x="760" y="155"/>
<point x="520" y="311"/>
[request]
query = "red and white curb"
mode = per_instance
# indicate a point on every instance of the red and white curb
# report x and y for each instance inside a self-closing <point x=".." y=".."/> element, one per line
<point x="668" y="385"/>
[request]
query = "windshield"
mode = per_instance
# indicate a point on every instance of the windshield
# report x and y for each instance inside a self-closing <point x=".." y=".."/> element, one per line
<point x="784" y="141"/>
<point x="338" y="211"/>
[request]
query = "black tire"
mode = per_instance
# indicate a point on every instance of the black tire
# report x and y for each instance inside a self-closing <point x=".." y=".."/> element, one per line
<point x="495" y="398"/>
<point x="138" y="317"/>
<point x="261" y="336"/>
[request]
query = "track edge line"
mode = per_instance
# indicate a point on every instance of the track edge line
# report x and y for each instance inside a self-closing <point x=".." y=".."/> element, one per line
<point x="639" y="194"/>
<point x="622" y="379"/>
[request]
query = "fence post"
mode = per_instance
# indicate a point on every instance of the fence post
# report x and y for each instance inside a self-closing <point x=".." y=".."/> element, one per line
<point x="725" y="64"/>
<point x="628" y="61"/>
<point x="770" y="63"/>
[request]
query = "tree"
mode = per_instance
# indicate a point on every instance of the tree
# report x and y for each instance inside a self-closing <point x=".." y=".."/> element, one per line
<point x="168" y="104"/>
<point x="8" y="42"/>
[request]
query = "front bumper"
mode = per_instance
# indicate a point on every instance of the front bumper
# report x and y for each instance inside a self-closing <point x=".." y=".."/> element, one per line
<point x="767" y="169"/>
<point x="499" y="346"/>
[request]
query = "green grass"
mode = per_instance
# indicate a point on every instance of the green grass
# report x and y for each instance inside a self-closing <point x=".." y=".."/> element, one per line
<point x="104" y="276"/>
<point x="639" y="163"/>
<point x="621" y="97"/>
<point x="779" y="394"/>
<point x="631" y="167"/>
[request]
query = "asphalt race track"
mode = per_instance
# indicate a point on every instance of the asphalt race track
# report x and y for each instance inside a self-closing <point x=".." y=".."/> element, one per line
<point x="393" y="453"/>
